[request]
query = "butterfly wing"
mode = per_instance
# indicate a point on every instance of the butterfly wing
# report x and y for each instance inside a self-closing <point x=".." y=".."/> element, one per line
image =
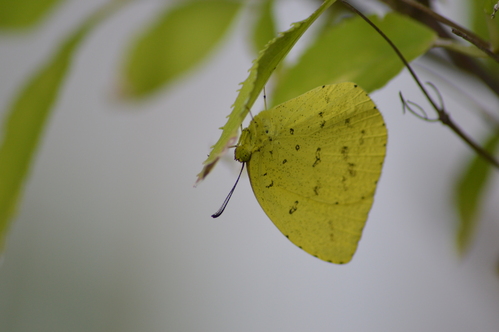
<point x="314" y="167"/>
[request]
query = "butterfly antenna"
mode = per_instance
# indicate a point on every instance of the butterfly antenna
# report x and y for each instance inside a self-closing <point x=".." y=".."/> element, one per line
<point x="227" y="199"/>
<point x="251" y="114"/>
<point x="264" y="98"/>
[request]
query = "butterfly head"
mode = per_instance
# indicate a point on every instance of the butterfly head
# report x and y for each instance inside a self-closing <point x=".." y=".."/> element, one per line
<point x="244" y="147"/>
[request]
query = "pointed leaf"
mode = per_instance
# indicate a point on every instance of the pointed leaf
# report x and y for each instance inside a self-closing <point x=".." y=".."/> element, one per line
<point x="264" y="29"/>
<point x="26" y="119"/>
<point x="259" y="74"/>
<point x="353" y="51"/>
<point x="469" y="191"/>
<point x="179" y="39"/>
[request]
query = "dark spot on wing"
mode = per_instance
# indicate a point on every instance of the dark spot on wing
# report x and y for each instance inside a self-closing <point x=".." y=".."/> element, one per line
<point x="317" y="157"/>
<point x="293" y="208"/>
<point x="323" y="123"/>
<point x="344" y="152"/>
<point x="270" y="185"/>
<point x="291" y="131"/>
<point x="316" y="190"/>
<point x="297" y="147"/>
<point x="361" y="140"/>
<point x="284" y="161"/>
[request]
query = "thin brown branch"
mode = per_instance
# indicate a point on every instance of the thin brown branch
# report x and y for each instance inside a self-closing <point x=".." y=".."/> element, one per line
<point x="472" y="40"/>
<point x="431" y="19"/>
<point x="443" y="116"/>
<point x="477" y="41"/>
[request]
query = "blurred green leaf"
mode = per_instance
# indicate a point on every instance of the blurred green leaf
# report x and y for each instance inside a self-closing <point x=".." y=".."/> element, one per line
<point x="487" y="6"/>
<point x="486" y="27"/>
<point x="469" y="191"/>
<point x="23" y="13"/>
<point x="353" y="51"/>
<point x="457" y="46"/>
<point x="260" y="72"/>
<point x="478" y="14"/>
<point x="26" y="120"/>
<point x="493" y="27"/>
<point x="264" y="29"/>
<point x="179" y="39"/>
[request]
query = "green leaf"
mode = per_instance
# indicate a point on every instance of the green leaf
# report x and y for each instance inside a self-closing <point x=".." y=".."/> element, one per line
<point x="482" y="22"/>
<point x="469" y="191"/>
<point x="488" y="6"/>
<point x="486" y="27"/>
<point x="453" y="45"/>
<point x="26" y="119"/>
<point x="23" y="13"/>
<point x="259" y="74"/>
<point x="264" y="29"/>
<point x="478" y="14"/>
<point x="353" y="51"/>
<point x="179" y="39"/>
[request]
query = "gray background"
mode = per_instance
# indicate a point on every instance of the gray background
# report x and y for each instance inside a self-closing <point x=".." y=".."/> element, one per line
<point x="112" y="236"/>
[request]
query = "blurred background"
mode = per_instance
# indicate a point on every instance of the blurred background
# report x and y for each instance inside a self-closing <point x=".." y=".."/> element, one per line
<point x="111" y="235"/>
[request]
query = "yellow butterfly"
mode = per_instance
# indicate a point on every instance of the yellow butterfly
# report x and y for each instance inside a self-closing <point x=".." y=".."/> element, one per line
<point x="314" y="163"/>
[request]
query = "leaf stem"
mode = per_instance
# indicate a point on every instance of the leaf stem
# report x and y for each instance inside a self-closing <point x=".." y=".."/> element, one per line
<point x="428" y="17"/>
<point x="443" y="116"/>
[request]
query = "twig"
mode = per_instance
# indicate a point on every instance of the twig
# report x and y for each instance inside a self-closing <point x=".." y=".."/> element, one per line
<point x="443" y="116"/>
<point x="473" y="41"/>
<point x="477" y="41"/>
<point x="426" y="16"/>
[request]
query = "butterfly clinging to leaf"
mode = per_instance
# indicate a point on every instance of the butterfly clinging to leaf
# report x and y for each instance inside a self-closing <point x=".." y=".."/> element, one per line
<point x="314" y="163"/>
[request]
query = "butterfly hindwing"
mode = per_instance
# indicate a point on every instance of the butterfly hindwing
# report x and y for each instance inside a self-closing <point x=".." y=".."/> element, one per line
<point x="314" y="166"/>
